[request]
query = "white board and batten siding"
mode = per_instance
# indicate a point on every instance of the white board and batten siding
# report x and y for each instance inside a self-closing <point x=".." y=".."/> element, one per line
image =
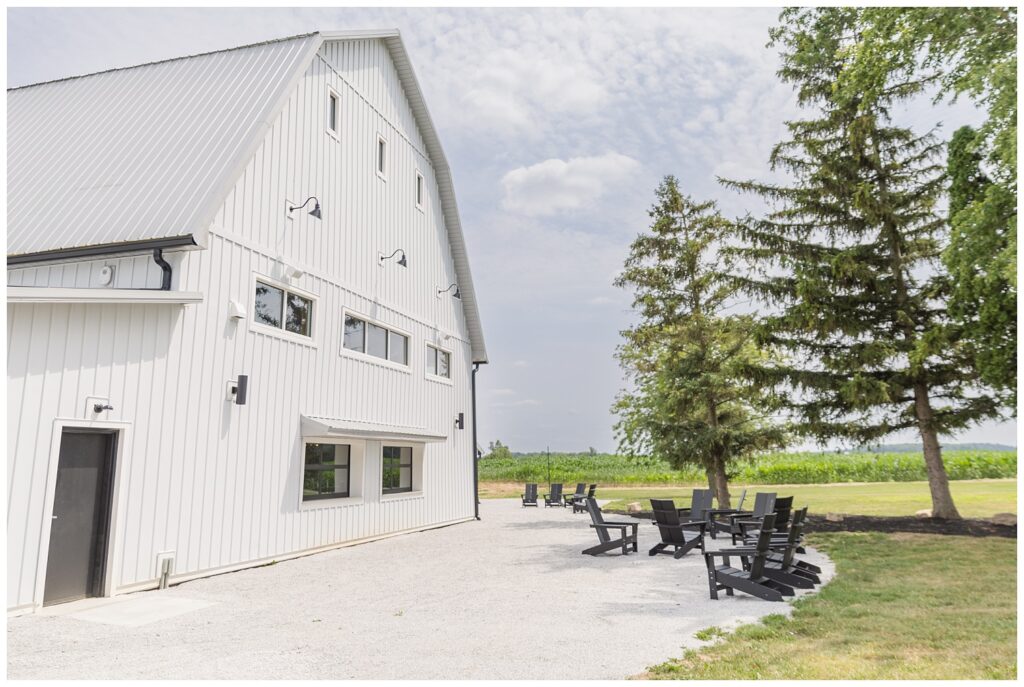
<point x="219" y="484"/>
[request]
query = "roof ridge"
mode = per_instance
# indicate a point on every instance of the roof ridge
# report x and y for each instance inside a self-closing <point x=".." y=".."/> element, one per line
<point x="164" y="61"/>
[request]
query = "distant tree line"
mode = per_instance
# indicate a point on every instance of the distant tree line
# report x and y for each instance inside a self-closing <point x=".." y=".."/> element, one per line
<point x="855" y="307"/>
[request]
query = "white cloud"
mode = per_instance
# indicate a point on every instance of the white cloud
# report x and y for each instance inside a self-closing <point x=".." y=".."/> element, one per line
<point x="554" y="185"/>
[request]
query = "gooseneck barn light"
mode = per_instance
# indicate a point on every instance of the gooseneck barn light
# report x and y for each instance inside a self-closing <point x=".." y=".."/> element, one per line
<point x="316" y="208"/>
<point x="450" y="287"/>
<point x="401" y="261"/>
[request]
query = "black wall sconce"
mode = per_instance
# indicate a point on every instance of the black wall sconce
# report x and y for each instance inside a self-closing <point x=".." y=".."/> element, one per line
<point x="316" y="208"/>
<point x="460" y="421"/>
<point x="240" y="389"/>
<point x="457" y="293"/>
<point x="401" y="261"/>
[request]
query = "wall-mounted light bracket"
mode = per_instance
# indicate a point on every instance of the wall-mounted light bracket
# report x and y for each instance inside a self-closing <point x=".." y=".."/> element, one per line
<point x="238" y="390"/>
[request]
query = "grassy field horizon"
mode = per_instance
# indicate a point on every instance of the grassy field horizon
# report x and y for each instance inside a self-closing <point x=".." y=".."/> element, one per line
<point x="981" y="498"/>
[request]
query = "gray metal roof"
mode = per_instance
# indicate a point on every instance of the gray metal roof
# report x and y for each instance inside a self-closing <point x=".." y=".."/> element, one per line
<point x="140" y="153"/>
<point x="148" y="152"/>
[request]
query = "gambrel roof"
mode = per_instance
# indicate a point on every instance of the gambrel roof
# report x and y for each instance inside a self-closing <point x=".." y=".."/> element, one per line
<point x="143" y="156"/>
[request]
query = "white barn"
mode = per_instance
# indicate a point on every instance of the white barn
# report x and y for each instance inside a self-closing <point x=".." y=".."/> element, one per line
<point x="200" y="377"/>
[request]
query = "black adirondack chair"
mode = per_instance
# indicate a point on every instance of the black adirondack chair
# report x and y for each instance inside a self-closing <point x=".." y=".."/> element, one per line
<point x="696" y="516"/>
<point x="580" y="505"/>
<point x="723" y="520"/>
<point x="812" y="571"/>
<point x="581" y="491"/>
<point x="555" y="497"/>
<point x="779" y="565"/>
<point x="743" y="497"/>
<point x="627" y="532"/>
<point x="530" y="495"/>
<point x="673" y="531"/>
<point x="752" y="580"/>
<point x="783" y="509"/>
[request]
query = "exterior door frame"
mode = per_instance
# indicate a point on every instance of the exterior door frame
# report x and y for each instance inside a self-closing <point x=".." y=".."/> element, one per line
<point x="122" y="435"/>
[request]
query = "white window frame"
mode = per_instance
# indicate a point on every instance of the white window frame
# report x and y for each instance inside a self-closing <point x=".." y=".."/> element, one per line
<point x="333" y="133"/>
<point x="356" y="479"/>
<point x="420" y="191"/>
<point x="418" y="455"/>
<point x="381" y="160"/>
<point x="436" y="377"/>
<point x="366" y="357"/>
<point x="282" y="333"/>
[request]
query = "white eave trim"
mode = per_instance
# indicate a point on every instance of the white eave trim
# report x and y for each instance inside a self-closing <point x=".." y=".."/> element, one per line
<point x="42" y="294"/>
<point x="335" y="427"/>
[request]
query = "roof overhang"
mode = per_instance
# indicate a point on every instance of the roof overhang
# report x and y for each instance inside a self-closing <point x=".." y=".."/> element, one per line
<point x="187" y="241"/>
<point x="315" y="426"/>
<point x="43" y="294"/>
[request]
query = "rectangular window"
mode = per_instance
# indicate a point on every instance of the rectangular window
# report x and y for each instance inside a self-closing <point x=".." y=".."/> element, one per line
<point x="332" y="112"/>
<point x="269" y="301"/>
<point x="382" y="146"/>
<point x="280" y="308"/>
<point x="326" y="471"/>
<point x="419" y="190"/>
<point x="355" y="334"/>
<point x="377" y="341"/>
<point x="398" y="346"/>
<point x="438" y="362"/>
<point x="373" y="339"/>
<point x="396" y="474"/>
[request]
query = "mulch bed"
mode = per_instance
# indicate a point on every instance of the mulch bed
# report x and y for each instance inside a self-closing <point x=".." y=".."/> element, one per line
<point x="871" y="523"/>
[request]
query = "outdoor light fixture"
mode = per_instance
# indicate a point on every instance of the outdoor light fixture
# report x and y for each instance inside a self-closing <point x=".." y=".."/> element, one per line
<point x="450" y="287"/>
<point x="401" y="261"/>
<point x="316" y="208"/>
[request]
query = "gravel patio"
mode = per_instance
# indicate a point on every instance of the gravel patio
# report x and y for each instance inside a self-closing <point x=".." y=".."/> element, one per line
<point x="505" y="598"/>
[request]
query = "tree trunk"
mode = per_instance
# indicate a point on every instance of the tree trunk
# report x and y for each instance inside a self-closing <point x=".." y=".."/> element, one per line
<point x="938" y="482"/>
<point x="709" y="470"/>
<point x="721" y="484"/>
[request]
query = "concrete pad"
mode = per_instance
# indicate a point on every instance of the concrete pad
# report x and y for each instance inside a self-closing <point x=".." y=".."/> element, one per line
<point x="140" y="609"/>
<point x="508" y="597"/>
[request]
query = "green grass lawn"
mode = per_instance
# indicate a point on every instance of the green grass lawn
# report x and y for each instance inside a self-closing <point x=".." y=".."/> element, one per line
<point x="974" y="498"/>
<point x="902" y="606"/>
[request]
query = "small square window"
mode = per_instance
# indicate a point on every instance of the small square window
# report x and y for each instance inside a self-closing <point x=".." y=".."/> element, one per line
<point x="438" y="362"/>
<point x="326" y="471"/>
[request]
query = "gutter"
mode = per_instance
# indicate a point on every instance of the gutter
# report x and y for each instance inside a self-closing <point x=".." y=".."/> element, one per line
<point x="476" y="471"/>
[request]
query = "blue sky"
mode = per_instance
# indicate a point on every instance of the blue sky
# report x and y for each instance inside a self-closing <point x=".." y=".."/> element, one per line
<point x="558" y="125"/>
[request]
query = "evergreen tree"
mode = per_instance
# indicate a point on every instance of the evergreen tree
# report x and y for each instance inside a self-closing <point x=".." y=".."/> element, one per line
<point x="960" y="51"/>
<point x="848" y="260"/>
<point x="690" y="403"/>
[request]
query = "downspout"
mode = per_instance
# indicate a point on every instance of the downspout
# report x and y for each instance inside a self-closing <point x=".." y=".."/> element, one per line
<point x="476" y="475"/>
<point x="158" y="258"/>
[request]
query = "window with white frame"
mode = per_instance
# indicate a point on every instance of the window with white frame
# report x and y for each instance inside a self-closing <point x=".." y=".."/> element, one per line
<point x="396" y="469"/>
<point x="281" y="308"/>
<point x="382" y="155"/>
<point x="327" y="471"/>
<point x="438" y="362"/>
<point x="363" y="336"/>
<point x="419" y="190"/>
<point x="333" y="111"/>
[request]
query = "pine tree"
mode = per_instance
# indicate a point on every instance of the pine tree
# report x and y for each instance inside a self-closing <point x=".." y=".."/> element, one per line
<point x="690" y="403"/>
<point x="848" y="261"/>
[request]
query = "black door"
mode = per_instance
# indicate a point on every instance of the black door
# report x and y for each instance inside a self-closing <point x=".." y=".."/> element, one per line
<point x="81" y="517"/>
